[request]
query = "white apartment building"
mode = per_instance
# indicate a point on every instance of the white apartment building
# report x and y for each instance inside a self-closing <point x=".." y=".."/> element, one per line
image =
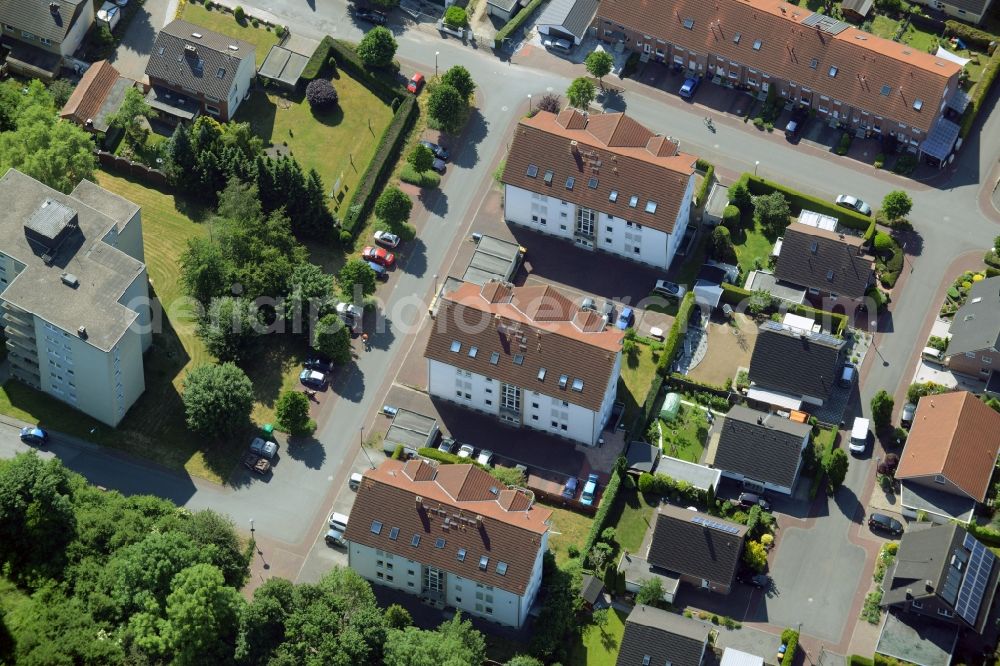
<point x="603" y="182"/>
<point x="73" y="294"/>
<point x="451" y="535"/>
<point x="528" y="356"/>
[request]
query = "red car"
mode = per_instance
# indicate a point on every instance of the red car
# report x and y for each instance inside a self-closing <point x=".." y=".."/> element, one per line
<point x="379" y="255"/>
<point x="416" y="83"/>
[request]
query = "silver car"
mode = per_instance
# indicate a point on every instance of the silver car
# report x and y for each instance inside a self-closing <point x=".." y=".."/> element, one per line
<point x="554" y="44"/>
<point x="853" y="203"/>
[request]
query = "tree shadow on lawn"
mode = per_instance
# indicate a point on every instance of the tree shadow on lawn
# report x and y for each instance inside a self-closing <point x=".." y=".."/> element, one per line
<point x="327" y="117"/>
<point x="270" y="361"/>
<point x="260" y="111"/>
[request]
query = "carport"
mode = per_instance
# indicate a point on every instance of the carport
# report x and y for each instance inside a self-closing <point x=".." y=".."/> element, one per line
<point x="567" y="19"/>
<point x="411" y="430"/>
<point x="939" y="143"/>
<point x="775" y="398"/>
<point x="701" y="477"/>
<point x="283" y="67"/>
<point x="494" y="259"/>
<point x="917" y="640"/>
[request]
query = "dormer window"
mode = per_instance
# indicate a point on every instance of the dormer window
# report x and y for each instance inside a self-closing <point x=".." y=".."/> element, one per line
<point x="833" y="71"/>
<point x="886" y="89"/>
<point x="456" y="346"/>
<point x="613" y="197"/>
<point x="918" y="104"/>
<point x="736" y="38"/>
<point x="757" y="43"/>
<point x="633" y="201"/>
<point x="814" y="63"/>
<point x="592" y="183"/>
<point x="548" y="177"/>
<point x="570" y="182"/>
<point x="689" y="24"/>
<point x="532" y="171"/>
<point x="650" y="206"/>
<point x="563" y="380"/>
<point x="578" y="385"/>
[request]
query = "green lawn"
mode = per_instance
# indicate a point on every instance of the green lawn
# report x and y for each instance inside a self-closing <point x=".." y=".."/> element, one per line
<point x="920" y="39"/>
<point x="632" y="515"/>
<point x="883" y="26"/>
<point x="568" y="529"/>
<point x="638" y="371"/>
<point x="685" y="436"/>
<point x="337" y="143"/>
<point x="598" y="646"/>
<point x="224" y="22"/>
<point x="752" y="245"/>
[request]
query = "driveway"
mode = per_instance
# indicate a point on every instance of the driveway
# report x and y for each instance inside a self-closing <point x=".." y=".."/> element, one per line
<point x="137" y="43"/>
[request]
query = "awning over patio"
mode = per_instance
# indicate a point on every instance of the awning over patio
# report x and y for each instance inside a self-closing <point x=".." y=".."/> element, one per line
<point x="172" y="103"/>
<point x="941" y="140"/>
<point x="28" y="60"/>
<point x="775" y="398"/>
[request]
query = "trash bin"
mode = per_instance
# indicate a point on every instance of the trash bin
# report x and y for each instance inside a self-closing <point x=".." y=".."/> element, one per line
<point x="268" y="428"/>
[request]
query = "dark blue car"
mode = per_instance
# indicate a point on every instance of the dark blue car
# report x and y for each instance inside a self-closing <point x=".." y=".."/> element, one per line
<point x="380" y="271"/>
<point x="689" y="86"/>
<point x="625" y="319"/>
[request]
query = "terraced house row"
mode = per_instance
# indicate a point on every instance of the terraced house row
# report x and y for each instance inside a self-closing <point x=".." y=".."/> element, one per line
<point x="849" y="77"/>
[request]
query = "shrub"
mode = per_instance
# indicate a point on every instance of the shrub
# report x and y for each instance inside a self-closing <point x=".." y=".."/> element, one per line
<point x="844" y="144"/>
<point x="882" y="404"/>
<point x="905" y="165"/>
<point x="456" y="17"/>
<point x="321" y="94"/>
<point x="607" y="500"/>
<point x="721" y="245"/>
<point x="883" y="243"/>
<point x="549" y="102"/>
<point x="280" y="31"/>
<point x="426" y="179"/>
<point x="790" y="638"/>
<point x="879" y="161"/>
<point x="377" y="47"/>
<point x="239" y="14"/>
<point x="731" y="217"/>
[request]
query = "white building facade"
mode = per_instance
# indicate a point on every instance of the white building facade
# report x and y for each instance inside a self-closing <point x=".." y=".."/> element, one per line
<point x="592" y="229"/>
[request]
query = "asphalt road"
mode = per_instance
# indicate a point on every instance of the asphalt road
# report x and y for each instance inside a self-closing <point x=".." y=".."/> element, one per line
<point x="283" y="507"/>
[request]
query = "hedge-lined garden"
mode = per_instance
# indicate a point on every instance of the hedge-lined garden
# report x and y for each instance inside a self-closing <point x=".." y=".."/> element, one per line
<point x="375" y="175"/>
<point x="835" y="322"/>
<point x="800" y="201"/>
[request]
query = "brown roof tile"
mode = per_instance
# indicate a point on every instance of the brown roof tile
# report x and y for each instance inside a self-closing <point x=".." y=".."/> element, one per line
<point x="455" y="503"/>
<point x="616" y="151"/>
<point x="864" y="62"/>
<point x="837" y="264"/>
<point x="957" y="436"/>
<point x="557" y="345"/>
<point x="90" y="93"/>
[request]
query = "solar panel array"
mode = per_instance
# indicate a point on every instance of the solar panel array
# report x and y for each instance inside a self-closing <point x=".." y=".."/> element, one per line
<point x="715" y="525"/>
<point x="825" y="23"/>
<point x="977" y="576"/>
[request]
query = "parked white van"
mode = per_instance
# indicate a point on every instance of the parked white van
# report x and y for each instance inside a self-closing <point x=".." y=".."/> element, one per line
<point x="338" y="521"/>
<point x="859" y="435"/>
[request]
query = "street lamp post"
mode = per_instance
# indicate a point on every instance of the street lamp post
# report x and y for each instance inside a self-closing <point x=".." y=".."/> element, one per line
<point x="529" y="102"/>
<point x="363" y="448"/>
<point x="251" y="528"/>
<point x="755" y="165"/>
<point x="436" y="54"/>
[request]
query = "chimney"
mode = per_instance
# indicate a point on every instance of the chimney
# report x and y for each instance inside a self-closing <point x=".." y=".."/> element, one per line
<point x="760" y="420"/>
<point x="909" y="593"/>
<point x="573" y="147"/>
<point x="82" y="332"/>
<point x="54" y="7"/>
<point x="929" y="584"/>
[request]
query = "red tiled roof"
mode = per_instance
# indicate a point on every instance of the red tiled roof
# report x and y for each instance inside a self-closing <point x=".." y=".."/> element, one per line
<point x="614" y="150"/>
<point x="90" y="93"/>
<point x="864" y="63"/>
<point x="540" y="326"/>
<point x="461" y="504"/>
<point x="957" y="436"/>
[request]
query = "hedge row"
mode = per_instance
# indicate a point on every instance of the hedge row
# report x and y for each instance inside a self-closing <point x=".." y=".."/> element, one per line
<point x="790" y="638"/>
<point x="607" y="501"/>
<point x="858" y="660"/>
<point x="800" y="202"/>
<point x="706" y="185"/>
<point x="512" y="25"/>
<point x="675" y="337"/>
<point x="648" y="407"/>
<point x="973" y="37"/>
<point x="734" y="295"/>
<point x="987" y="535"/>
<point x="347" y="59"/>
<point x="690" y="383"/>
<point x="978" y="96"/>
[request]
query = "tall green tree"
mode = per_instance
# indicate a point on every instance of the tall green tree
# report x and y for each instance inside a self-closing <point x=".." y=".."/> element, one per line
<point x="292" y="413"/>
<point x="650" y="592"/>
<point x="599" y="64"/>
<point x="311" y="294"/>
<point x="356" y="276"/>
<point x="393" y="206"/>
<point x="896" y="205"/>
<point x="216" y="534"/>
<point x="447" y="107"/>
<point x="581" y="93"/>
<point x="333" y="339"/>
<point x="460" y="79"/>
<point x="229" y="327"/>
<point x="454" y="643"/>
<point x="36" y="516"/>
<point x="217" y="399"/>
<point x="377" y="47"/>
<point x="835" y="463"/>
<point x="204" y="271"/>
<point x="262" y="622"/>
<point x="420" y="158"/>
<point x="771" y="211"/>
<point x="882" y="404"/>
<point x="130" y="115"/>
<point x="201" y="617"/>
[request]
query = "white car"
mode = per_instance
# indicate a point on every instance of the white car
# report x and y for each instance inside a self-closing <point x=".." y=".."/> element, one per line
<point x="859" y="435"/>
<point x="465" y="451"/>
<point x="854" y="203"/>
<point x="386" y="239"/>
<point x="110" y="14"/>
<point x="485" y="458"/>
